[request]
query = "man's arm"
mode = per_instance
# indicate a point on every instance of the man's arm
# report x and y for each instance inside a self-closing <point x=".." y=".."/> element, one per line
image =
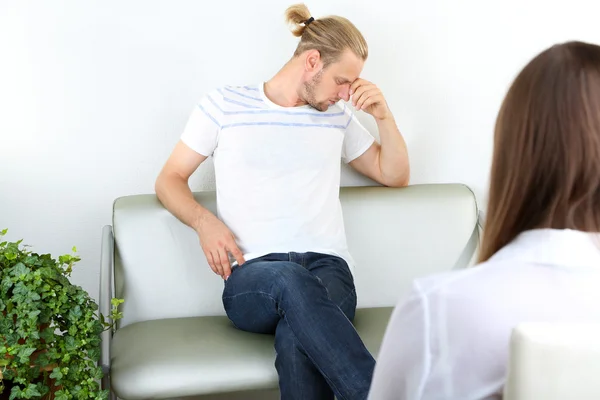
<point x="386" y="163"/>
<point x="172" y="186"/>
<point x="174" y="193"/>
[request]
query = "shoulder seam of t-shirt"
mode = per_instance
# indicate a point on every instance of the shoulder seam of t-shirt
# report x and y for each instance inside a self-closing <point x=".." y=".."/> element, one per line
<point x="350" y="113"/>
<point x="240" y="101"/>
<point x="203" y="108"/>
<point x="238" y="91"/>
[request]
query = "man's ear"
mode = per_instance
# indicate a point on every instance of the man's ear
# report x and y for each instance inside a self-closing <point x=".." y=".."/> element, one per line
<point x="313" y="61"/>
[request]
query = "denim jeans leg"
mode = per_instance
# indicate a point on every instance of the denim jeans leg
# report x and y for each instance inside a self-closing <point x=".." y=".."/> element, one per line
<point x="299" y="378"/>
<point x="259" y="292"/>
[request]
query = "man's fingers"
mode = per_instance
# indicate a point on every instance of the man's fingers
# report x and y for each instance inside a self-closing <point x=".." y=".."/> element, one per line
<point x="356" y="84"/>
<point x="370" y="101"/>
<point x="218" y="263"/>
<point x="226" y="267"/>
<point x="236" y="253"/>
<point x="358" y="101"/>
<point x="362" y="89"/>
<point x="212" y="263"/>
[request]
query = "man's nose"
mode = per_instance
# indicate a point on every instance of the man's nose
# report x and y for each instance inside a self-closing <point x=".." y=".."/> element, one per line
<point x="345" y="93"/>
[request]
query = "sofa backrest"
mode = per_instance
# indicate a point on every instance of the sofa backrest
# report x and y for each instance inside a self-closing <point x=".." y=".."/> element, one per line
<point x="394" y="235"/>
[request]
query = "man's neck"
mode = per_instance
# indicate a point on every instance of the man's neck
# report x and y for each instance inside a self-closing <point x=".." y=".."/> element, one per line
<point x="282" y="89"/>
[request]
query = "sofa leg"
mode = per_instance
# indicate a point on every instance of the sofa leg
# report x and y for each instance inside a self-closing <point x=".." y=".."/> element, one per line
<point x="105" y="385"/>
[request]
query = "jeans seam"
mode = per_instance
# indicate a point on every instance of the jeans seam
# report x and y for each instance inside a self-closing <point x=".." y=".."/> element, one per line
<point x="329" y="381"/>
<point x="253" y="292"/>
<point x="241" y="294"/>
<point x="347" y="297"/>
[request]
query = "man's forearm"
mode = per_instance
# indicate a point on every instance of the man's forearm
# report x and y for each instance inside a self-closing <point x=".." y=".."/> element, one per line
<point x="175" y="194"/>
<point x="393" y="159"/>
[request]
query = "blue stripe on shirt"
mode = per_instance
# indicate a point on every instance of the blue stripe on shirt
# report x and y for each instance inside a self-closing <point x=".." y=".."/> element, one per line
<point x="239" y="103"/>
<point x="283" y="112"/>
<point x="273" y="123"/>
<point x="243" y="95"/>
<point x="208" y="115"/>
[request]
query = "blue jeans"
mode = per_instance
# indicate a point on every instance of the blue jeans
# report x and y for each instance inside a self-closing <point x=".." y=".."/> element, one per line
<point x="308" y="301"/>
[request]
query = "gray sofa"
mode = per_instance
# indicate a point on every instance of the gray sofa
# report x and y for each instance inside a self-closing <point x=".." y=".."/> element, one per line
<point x="175" y="340"/>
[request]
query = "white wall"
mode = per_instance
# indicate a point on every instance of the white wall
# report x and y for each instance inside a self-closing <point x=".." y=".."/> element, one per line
<point x="94" y="94"/>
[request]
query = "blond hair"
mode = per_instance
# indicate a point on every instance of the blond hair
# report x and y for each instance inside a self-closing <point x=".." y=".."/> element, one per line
<point x="331" y="35"/>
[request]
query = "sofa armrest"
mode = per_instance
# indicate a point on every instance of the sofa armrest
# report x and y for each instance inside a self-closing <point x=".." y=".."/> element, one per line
<point x="481" y="220"/>
<point x="105" y="295"/>
<point x="469" y="254"/>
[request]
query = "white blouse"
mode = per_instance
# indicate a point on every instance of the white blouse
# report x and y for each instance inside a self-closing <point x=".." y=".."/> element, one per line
<point x="449" y="339"/>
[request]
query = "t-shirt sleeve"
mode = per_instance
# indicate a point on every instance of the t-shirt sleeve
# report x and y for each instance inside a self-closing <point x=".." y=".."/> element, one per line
<point x="357" y="139"/>
<point x="202" y="130"/>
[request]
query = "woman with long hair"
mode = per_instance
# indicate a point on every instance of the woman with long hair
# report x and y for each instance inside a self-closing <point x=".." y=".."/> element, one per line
<point x="540" y="253"/>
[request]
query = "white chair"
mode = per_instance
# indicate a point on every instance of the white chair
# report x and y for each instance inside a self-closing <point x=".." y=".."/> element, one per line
<point x="554" y="361"/>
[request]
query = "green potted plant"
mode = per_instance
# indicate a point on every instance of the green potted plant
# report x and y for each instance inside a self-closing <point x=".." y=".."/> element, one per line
<point x="49" y="328"/>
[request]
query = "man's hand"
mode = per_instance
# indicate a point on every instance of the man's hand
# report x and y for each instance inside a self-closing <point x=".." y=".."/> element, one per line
<point x="367" y="97"/>
<point x="217" y="241"/>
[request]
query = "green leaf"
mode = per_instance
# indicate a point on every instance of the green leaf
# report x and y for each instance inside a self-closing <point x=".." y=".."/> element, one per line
<point x="103" y="395"/>
<point x="25" y="353"/>
<point x="3" y="232"/>
<point x="35" y="292"/>
<point x="61" y="395"/>
<point x="82" y="394"/>
<point x="115" y="302"/>
<point x="76" y="391"/>
<point x="31" y="391"/>
<point x="97" y="373"/>
<point x="94" y="354"/>
<point x="47" y="334"/>
<point x="21" y="289"/>
<point x="6" y="286"/>
<point x="20" y="270"/>
<point x="56" y="374"/>
<point x="15" y="393"/>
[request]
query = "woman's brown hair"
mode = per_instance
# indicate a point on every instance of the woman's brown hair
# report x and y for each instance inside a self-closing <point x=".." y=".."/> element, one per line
<point x="546" y="163"/>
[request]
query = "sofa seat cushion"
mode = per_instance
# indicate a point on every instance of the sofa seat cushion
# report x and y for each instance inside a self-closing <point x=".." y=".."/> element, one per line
<point x="193" y="356"/>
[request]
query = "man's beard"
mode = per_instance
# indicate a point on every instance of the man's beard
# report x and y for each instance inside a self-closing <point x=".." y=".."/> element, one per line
<point x="309" y="91"/>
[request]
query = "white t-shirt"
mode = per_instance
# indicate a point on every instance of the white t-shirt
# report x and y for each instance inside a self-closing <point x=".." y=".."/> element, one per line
<point x="450" y="338"/>
<point x="277" y="169"/>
